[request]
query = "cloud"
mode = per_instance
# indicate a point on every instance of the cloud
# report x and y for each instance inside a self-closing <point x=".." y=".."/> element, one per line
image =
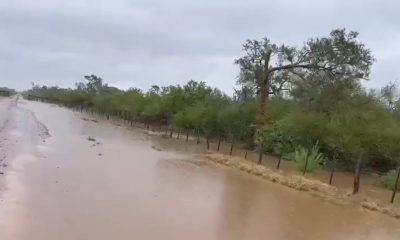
<point x="141" y="43"/>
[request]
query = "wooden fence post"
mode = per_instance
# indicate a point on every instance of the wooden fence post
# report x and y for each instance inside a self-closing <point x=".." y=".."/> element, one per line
<point x="219" y="143"/>
<point x="395" y="186"/>
<point x="233" y="141"/>
<point x="279" y="161"/>
<point x="260" y="153"/>
<point x="357" y="173"/>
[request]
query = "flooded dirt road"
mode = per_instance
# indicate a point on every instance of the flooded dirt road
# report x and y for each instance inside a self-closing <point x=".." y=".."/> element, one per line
<point x="123" y="184"/>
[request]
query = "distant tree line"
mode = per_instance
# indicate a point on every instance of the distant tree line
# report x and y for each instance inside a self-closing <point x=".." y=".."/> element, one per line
<point x="306" y="104"/>
<point x="4" y="91"/>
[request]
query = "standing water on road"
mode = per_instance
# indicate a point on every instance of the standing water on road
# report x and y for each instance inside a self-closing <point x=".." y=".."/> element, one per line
<point x="96" y="180"/>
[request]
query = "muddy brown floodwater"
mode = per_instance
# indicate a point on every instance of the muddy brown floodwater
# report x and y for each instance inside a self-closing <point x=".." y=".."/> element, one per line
<point x="127" y="185"/>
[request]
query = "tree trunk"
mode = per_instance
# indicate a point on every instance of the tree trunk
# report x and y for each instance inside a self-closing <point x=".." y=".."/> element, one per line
<point x="219" y="143"/>
<point x="187" y="135"/>
<point x="208" y="142"/>
<point x="264" y="96"/>
<point x="233" y="141"/>
<point x="245" y="155"/>
<point x="171" y="132"/>
<point x="198" y="137"/>
<point x="279" y="162"/>
<point x="179" y="133"/>
<point x="332" y="165"/>
<point x="331" y="176"/>
<point x="260" y="153"/>
<point x="108" y="116"/>
<point x="395" y="186"/>
<point x="264" y="89"/>
<point x="357" y="172"/>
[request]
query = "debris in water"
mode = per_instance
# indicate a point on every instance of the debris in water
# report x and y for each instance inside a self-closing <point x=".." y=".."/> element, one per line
<point x="100" y="154"/>
<point x="4" y="165"/>
<point x="156" y="148"/>
<point x="87" y="119"/>
<point x="1" y="173"/>
<point x="91" y="139"/>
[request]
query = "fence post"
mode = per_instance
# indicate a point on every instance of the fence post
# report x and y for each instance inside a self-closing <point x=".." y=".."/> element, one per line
<point x="219" y="143"/>
<point x="395" y="186"/>
<point x="279" y="161"/>
<point x="260" y="154"/>
<point x="357" y="172"/>
<point x="233" y="141"/>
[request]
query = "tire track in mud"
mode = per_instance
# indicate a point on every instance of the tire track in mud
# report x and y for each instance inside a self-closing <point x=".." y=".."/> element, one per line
<point x="20" y="127"/>
<point x="42" y="130"/>
<point x="4" y="126"/>
<point x="12" y="104"/>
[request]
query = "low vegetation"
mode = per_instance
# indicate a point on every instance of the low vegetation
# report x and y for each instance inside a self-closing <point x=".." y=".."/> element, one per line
<point x="388" y="180"/>
<point x="4" y="91"/>
<point x="308" y="160"/>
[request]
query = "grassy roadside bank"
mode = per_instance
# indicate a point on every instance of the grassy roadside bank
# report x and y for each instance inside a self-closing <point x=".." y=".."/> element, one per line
<point x="313" y="187"/>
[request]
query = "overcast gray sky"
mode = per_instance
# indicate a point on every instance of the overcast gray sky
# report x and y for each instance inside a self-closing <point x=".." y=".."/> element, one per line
<point x="144" y="42"/>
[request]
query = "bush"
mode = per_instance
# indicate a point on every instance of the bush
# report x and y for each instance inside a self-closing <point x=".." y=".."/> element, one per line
<point x="315" y="158"/>
<point x="388" y="180"/>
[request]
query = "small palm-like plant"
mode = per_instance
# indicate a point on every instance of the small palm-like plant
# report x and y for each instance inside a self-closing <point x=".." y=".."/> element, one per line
<point x="308" y="160"/>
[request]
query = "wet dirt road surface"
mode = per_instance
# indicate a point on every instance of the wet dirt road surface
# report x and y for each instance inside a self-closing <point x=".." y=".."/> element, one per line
<point x="124" y="184"/>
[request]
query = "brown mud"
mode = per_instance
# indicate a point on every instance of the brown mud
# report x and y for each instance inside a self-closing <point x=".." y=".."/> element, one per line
<point x="127" y="184"/>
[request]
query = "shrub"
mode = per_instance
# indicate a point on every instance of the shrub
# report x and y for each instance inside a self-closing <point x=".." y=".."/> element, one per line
<point x="315" y="158"/>
<point x="388" y="180"/>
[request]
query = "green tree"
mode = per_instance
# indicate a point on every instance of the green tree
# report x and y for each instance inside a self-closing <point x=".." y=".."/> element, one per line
<point x="94" y="84"/>
<point x="270" y="67"/>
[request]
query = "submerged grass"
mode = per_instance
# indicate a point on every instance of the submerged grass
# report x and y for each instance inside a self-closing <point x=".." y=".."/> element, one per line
<point x="313" y="187"/>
